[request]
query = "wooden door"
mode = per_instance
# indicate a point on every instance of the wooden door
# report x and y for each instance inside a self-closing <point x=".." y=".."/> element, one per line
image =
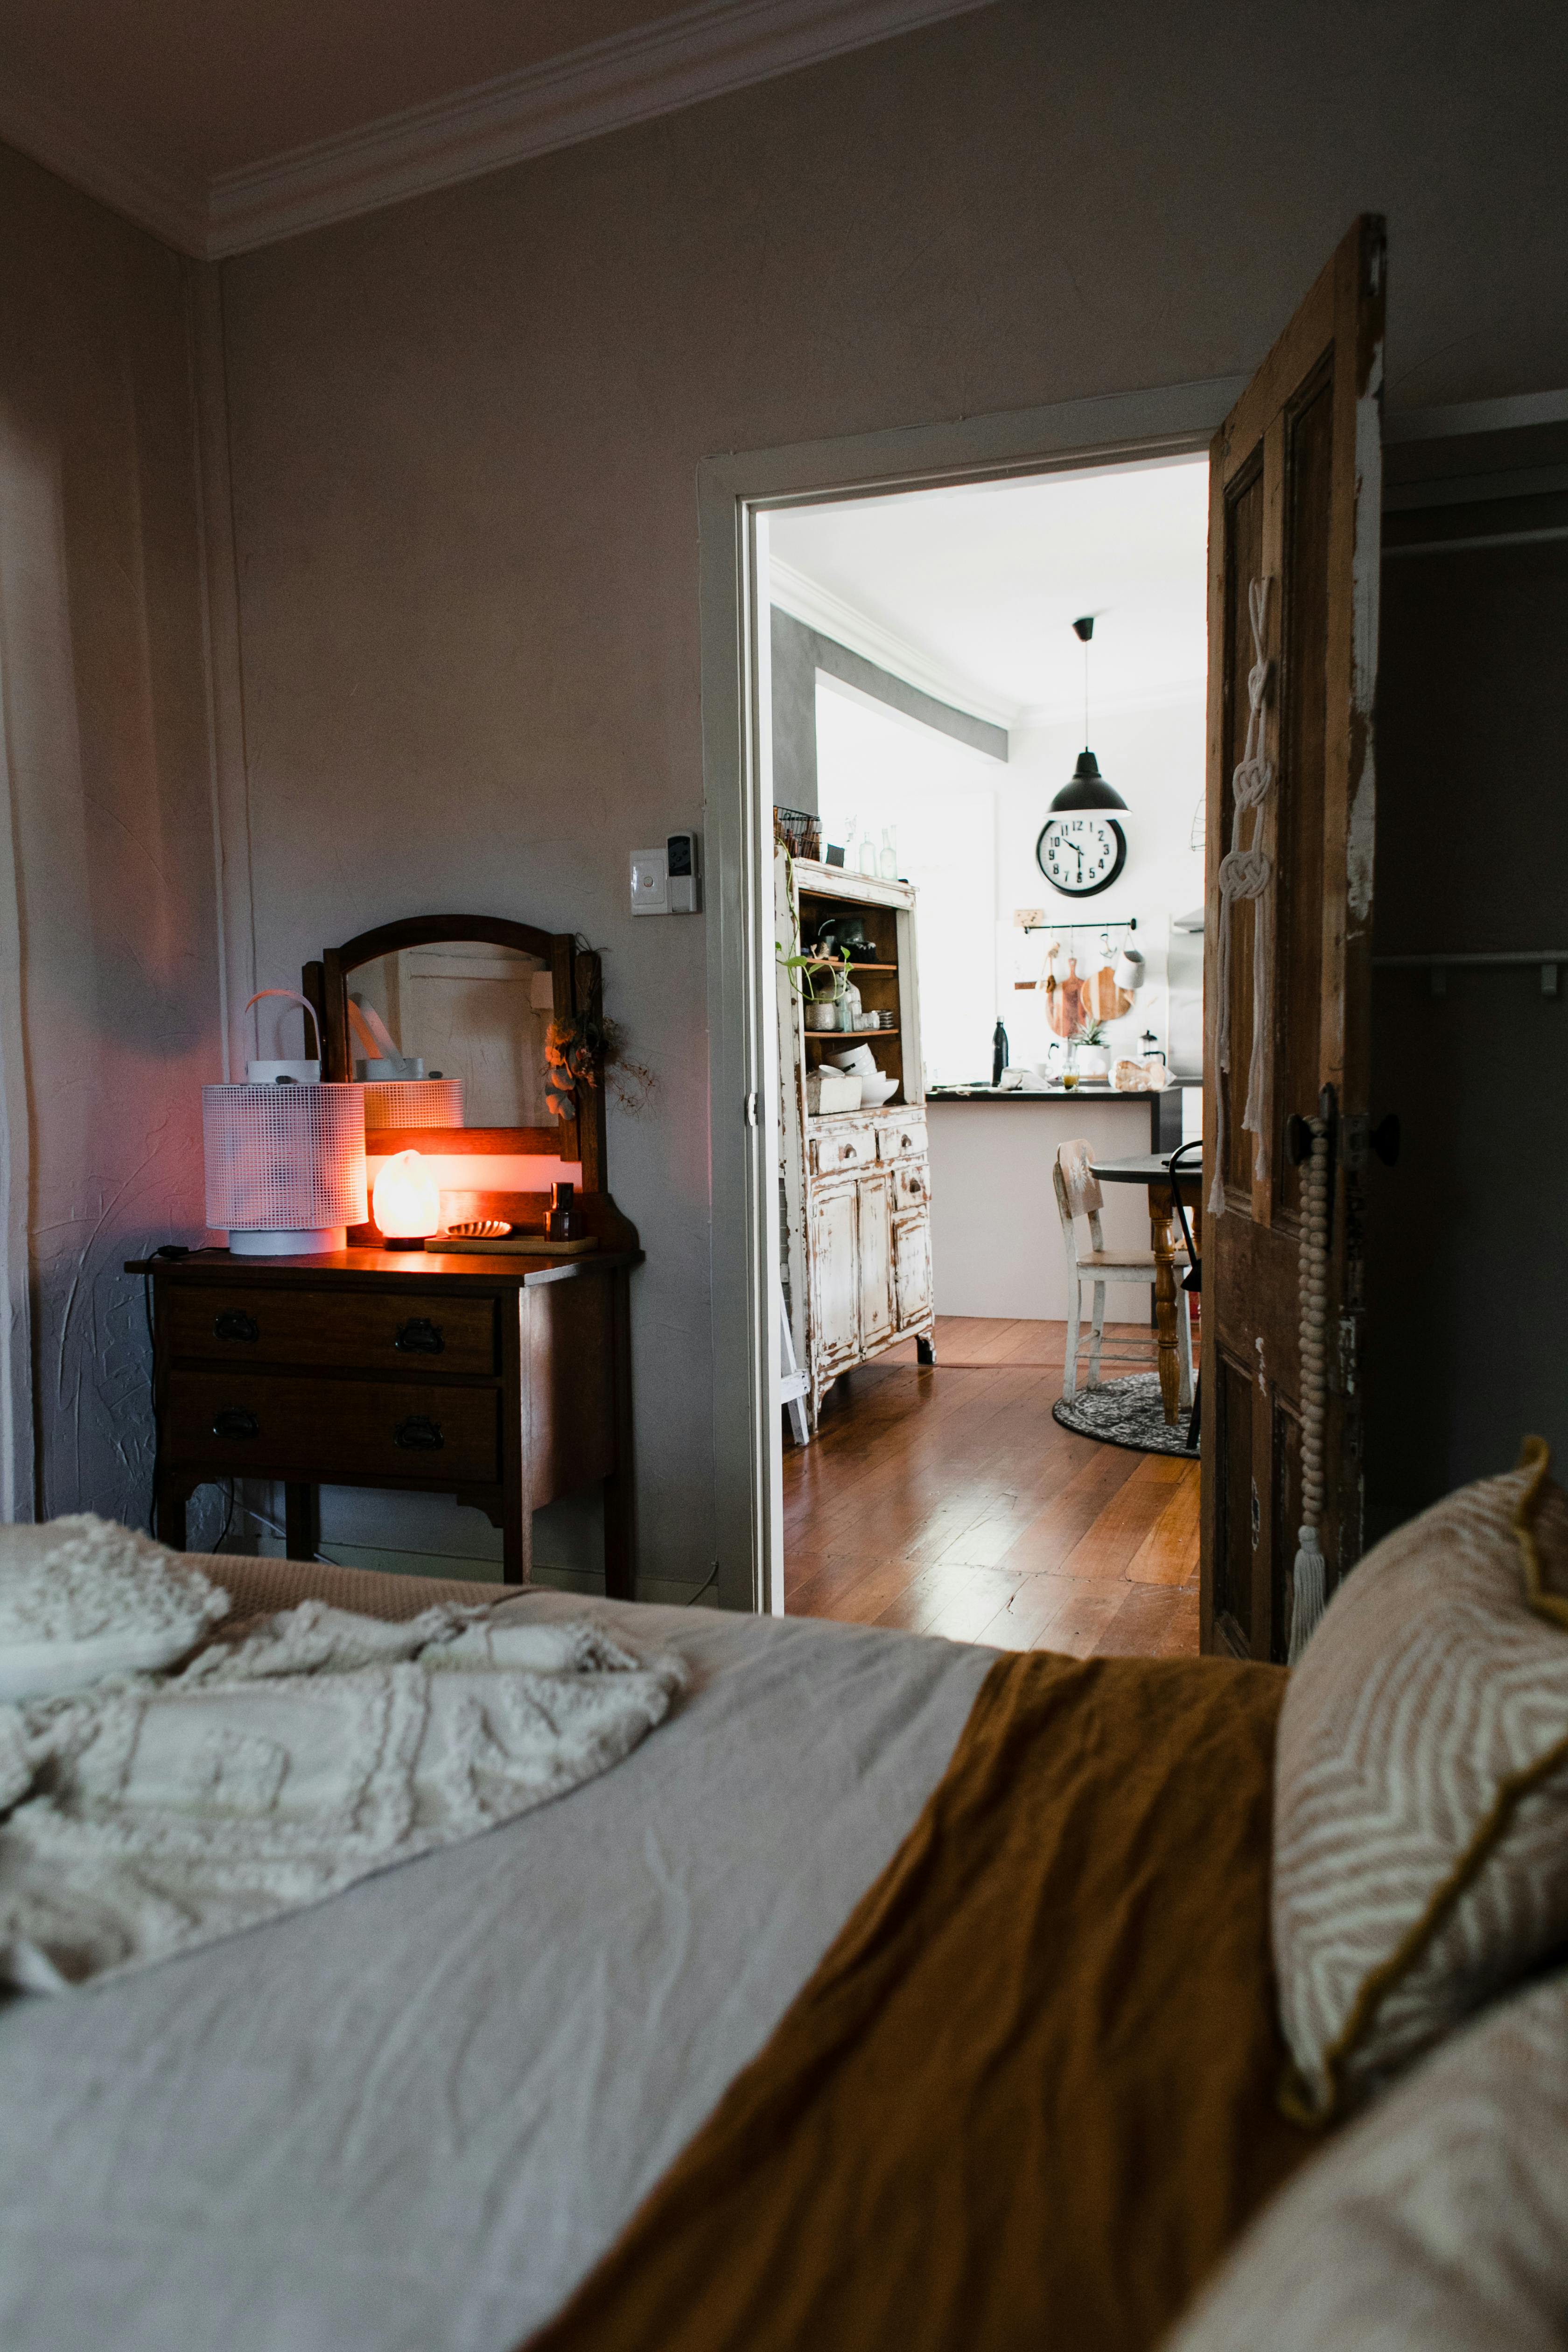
<point x="1295" y="495"/>
<point x="875" y="1240"/>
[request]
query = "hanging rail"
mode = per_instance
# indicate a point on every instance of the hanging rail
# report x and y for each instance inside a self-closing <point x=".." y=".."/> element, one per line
<point x="1128" y="923"/>
<point x="1547" y="959"/>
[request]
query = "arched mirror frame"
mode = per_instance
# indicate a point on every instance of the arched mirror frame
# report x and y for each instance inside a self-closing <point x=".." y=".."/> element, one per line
<point x="578" y="992"/>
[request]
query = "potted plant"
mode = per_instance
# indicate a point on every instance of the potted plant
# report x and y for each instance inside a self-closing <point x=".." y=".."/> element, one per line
<point x="1093" y="1053"/>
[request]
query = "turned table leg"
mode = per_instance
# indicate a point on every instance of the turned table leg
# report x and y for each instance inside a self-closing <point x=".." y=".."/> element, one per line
<point x="1161" y="1207"/>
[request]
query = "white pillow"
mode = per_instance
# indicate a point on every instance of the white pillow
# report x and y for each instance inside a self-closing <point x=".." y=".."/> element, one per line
<point x="82" y="1599"/>
<point x="1441" y="2218"/>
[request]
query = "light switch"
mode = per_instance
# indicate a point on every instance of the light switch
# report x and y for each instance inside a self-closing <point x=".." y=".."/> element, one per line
<point x="650" y="882"/>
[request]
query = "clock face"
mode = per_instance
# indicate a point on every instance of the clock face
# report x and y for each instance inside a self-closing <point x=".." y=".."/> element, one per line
<point x="1081" y="854"/>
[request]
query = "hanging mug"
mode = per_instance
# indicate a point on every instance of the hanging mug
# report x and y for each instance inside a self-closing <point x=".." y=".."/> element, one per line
<point x="1130" y="970"/>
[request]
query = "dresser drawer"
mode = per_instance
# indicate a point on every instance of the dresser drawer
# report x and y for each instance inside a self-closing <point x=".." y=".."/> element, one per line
<point x="282" y="1427"/>
<point x="840" y="1148"/>
<point x="369" y="1331"/>
<point x="900" y="1139"/>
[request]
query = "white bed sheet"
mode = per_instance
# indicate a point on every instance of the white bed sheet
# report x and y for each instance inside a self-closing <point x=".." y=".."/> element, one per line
<point x="416" y="2115"/>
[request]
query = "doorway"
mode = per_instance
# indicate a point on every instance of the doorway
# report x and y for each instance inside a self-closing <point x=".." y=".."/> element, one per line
<point x="741" y="499"/>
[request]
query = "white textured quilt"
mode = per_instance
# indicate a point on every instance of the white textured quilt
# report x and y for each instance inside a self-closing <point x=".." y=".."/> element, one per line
<point x="158" y="1812"/>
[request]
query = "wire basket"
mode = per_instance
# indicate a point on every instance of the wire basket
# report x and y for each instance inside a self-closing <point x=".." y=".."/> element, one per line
<point x="412" y="1102"/>
<point x="286" y="1162"/>
<point x="799" y="831"/>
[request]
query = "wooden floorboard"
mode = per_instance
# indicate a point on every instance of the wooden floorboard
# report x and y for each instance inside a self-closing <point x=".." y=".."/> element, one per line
<point x="947" y="1500"/>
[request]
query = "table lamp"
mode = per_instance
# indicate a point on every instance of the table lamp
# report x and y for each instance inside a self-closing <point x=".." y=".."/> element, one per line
<point x="406" y="1202"/>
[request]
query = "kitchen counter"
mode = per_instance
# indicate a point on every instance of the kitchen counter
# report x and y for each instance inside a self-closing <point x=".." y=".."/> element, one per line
<point x="996" y="1237"/>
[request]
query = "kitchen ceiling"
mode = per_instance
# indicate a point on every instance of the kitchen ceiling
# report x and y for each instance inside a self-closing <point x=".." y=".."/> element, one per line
<point x="971" y="591"/>
<point x="226" y="126"/>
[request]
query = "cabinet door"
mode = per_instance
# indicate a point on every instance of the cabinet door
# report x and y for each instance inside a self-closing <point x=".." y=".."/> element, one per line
<point x="874" y="1194"/>
<point x="835" y="1285"/>
<point x="911" y="1270"/>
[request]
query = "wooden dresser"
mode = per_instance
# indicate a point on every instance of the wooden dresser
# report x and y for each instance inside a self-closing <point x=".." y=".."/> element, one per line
<point x="503" y="1380"/>
<point x="855" y="1185"/>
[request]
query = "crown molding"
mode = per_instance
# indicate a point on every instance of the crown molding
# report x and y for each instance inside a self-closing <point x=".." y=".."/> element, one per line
<point x="820" y="608"/>
<point x="721" y="44"/>
<point x="173" y="205"/>
<point x="700" y="53"/>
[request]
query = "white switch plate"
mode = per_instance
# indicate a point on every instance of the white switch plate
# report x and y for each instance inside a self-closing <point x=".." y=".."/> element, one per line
<point x="650" y="882"/>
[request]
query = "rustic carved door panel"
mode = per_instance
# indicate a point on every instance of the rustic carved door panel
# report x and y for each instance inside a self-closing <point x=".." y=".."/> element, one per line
<point x="1295" y="496"/>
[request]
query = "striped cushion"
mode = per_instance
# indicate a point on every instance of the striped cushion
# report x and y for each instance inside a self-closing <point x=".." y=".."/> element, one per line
<point x="1421" y="1791"/>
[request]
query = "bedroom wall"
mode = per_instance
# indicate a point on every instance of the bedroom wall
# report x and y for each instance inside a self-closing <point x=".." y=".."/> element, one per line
<point x="110" y="992"/>
<point x="465" y="433"/>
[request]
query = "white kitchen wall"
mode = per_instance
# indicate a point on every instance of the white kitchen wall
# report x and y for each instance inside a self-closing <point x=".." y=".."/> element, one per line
<point x="878" y="773"/>
<point x="1155" y="760"/>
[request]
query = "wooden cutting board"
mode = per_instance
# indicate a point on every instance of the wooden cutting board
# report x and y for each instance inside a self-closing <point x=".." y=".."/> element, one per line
<point x="1106" y="1001"/>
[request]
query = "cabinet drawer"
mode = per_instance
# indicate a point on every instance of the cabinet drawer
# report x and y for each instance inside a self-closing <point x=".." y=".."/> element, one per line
<point x="321" y="1429"/>
<point x="843" y="1147"/>
<point x="902" y="1138"/>
<point x="911" y="1186"/>
<point x="373" y="1330"/>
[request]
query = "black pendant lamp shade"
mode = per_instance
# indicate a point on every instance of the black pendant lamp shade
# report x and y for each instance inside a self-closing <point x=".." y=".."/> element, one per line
<point x="1088" y="789"/>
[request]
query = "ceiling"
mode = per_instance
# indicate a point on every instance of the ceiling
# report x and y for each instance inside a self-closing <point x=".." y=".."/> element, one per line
<point x="971" y="591"/>
<point x="222" y="124"/>
<point x="218" y="87"/>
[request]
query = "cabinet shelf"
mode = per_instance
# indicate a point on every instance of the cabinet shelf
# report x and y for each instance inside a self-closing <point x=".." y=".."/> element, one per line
<point x="822" y="962"/>
<point x="845" y="1036"/>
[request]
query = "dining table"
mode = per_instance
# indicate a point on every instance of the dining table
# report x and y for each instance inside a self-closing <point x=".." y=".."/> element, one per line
<point x="1154" y="1171"/>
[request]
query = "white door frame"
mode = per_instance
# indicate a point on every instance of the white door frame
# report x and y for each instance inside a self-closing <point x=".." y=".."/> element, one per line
<point x="732" y="493"/>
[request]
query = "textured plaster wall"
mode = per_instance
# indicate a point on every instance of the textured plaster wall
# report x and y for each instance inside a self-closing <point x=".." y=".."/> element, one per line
<point x="110" y="1022"/>
<point x="465" y="434"/>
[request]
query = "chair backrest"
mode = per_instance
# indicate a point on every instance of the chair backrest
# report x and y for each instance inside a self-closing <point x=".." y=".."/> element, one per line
<point x="1077" y="1193"/>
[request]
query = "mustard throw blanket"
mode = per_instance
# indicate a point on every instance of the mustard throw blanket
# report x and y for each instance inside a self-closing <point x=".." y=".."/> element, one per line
<point x="1027" y="2098"/>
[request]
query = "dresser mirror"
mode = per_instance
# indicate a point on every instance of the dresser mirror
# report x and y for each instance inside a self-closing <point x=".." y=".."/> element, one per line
<point x="432" y="1000"/>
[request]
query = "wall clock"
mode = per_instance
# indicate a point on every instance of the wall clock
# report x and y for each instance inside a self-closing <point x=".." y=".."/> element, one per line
<point x="1081" y="854"/>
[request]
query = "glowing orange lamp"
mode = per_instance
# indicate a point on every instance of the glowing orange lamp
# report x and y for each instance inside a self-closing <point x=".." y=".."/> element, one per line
<point x="406" y="1202"/>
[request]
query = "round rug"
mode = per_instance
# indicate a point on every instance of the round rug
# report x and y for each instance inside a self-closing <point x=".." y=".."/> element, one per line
<point x="1125" y="1412"/>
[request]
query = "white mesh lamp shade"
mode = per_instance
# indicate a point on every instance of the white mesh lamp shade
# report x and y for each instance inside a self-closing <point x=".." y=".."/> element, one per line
<point x="412" y="1102"/>
<point x="285" y="1166"/>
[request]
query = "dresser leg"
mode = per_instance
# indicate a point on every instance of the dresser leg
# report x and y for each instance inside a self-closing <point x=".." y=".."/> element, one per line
<point x="301" y="1521"/>
<point x="172" y="1497"/>
<point x="925" y="1348"/>
<point x="620" y="1497"/>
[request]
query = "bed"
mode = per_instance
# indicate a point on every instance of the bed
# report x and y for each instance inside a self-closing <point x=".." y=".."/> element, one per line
<point x="519" y="2090"/>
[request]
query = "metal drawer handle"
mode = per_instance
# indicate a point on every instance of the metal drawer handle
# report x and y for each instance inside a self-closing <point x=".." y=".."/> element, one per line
<point x="234" y="1323"/>
<point x="913" y="1183"/>
<point x="420" y="1337"/>
<point x="234" y="1422"/>
<point x="846" y="1151"/>
<point x="419" y="1433"/>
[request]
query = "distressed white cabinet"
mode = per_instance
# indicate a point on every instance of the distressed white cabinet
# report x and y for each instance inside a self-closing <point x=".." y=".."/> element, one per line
<point x="855" y="1186"/>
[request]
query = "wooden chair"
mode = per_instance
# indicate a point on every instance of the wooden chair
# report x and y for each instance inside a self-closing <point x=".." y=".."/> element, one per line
<point x="1078" y="1195"/>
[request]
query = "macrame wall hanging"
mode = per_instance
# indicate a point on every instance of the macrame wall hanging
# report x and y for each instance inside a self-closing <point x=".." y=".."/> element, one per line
<point x="1246" y="873"/>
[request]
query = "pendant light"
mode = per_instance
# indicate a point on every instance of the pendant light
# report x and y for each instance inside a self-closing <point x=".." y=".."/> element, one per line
<point x="1088" y="789"/>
